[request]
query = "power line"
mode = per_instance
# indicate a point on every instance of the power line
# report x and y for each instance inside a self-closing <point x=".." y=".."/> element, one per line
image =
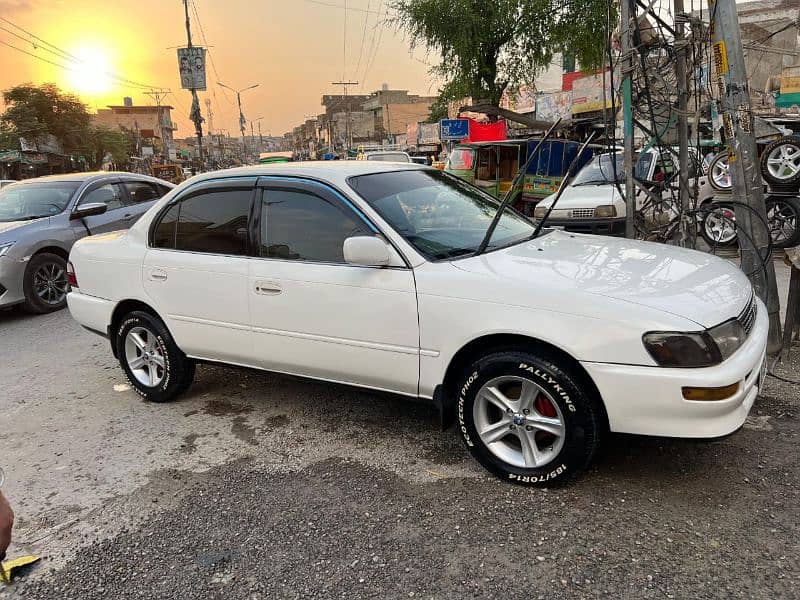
<point x="44" y="42"/>
<point x="340" y="7"/>
<point x="378" y="43"/>
<point x="363" y="38"/>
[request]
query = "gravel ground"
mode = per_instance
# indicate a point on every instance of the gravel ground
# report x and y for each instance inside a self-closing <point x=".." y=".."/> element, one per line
<point x="261" y="486"/>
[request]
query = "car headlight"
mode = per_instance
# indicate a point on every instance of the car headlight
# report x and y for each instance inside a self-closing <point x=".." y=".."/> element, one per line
<point x="675" y="349"/>
<point x="605" y="211"/>
<point x="697" y="349"/>
<point x="729" y="337"/>
<point x="539" y="212"/>
<point x="4" y="248"/>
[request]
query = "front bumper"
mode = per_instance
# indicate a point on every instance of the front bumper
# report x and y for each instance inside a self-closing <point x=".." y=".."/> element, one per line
<point x="649" y="400"/>
<point x="596" y="226"/>
<point x="12" y="274"/>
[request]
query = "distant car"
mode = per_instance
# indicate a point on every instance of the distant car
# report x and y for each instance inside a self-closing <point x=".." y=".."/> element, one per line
<point x="5" y="182"/>
<point x="372" y="275"/>
<point x="388" y="156"/>
<point x="420" y="160"/>
<point x="41" y="218"/>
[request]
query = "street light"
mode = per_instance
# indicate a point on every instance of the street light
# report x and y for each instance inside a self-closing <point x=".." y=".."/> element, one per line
<point x="242" y="121"/>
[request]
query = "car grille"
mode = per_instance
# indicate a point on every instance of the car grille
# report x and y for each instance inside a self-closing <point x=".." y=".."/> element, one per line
<point x="582" y="213"/>
<point x="748" y="316"/>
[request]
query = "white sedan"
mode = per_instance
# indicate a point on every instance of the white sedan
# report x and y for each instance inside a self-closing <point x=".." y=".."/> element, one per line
<point x="367" y="274"/>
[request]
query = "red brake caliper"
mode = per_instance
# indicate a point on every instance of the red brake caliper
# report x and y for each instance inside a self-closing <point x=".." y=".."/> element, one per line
<point x="544" y="407"/>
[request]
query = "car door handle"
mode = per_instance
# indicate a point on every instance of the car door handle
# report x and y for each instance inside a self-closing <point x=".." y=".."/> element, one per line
<point x="158" y="275"/>
<point x="268" y="288"/>
<point x="128" y="216"/>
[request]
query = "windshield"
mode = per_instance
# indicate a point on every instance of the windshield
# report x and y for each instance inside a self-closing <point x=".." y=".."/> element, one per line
<point x="26" y="201"/>
<point x="389" y="157"/>
<point x="440" y="215"/>
<point x="600" y="171"/>
<point x="461" y="158"/>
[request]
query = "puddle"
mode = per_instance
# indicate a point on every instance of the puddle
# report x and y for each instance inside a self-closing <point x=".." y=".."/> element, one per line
<point x="222" y="408"/>
<point x="243" y="431"/>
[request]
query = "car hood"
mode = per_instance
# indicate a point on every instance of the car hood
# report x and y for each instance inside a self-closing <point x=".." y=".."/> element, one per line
<point x="583" y="196"/>
<point x="570" y="268"/>
<point x="14" y="228"/>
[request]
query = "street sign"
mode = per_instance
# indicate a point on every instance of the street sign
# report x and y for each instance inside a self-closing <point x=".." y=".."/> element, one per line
<point x="192" y="67"/>
<point x="454" y="129"/>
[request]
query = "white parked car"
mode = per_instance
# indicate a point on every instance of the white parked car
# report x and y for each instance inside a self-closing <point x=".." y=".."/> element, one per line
<point x="367" y="274"/>
<point x="388" y="156"/>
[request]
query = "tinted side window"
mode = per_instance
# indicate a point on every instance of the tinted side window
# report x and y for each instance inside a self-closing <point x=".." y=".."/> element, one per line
<point x="302" y="226"/>
<point x="109" y="194"/>
<point x="164" y="233"/>
<point x="214" y="222"/>
<point x="141" y="191"/>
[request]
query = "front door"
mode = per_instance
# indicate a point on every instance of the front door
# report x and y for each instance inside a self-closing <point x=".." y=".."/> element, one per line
<point x="196" y="270"/>
<point x="117" y="215"/>
<point x="312" y="313"/>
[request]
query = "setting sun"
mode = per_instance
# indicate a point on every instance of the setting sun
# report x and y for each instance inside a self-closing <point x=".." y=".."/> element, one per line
<point x="90" y="76"/>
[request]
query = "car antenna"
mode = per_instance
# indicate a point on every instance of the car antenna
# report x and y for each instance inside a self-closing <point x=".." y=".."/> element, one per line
<point x="520" y="173"/>
<point x="563" y="185"/>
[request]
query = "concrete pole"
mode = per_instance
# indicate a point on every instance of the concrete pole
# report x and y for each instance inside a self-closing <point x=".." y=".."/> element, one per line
<point x="627" y="16"/>
<point x="687" y="228"/>
<point x="747" y="187"/>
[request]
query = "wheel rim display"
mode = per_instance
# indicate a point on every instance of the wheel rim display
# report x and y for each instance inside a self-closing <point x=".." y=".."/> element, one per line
<point x="145" y="356"/>
<point x="519" y="422"/>
<point x="50" y="283"/>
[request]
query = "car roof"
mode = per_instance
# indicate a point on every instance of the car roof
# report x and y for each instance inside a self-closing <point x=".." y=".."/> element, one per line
<point x="336" y="171"/>
<point x="89" y="176"/>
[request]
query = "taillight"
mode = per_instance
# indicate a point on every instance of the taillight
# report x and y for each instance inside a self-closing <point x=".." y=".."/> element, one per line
<point x="73" y="281"/>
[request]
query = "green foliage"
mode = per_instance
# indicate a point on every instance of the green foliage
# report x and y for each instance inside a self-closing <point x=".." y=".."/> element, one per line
<point x="438" y="109"/>
<point x="34" y="111"/>
<point x="100" y="141"/>
<point x="487" y="45"/>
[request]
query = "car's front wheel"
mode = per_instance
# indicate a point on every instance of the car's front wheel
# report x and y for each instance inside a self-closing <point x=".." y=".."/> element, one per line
<point x="157" y="369"/>
<point x="528" y="419"/>
<point x="45" y="283"/>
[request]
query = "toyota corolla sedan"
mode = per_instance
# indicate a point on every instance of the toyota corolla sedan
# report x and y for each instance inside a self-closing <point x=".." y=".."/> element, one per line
<point x="369" y="274"/>
<point x="41" y="218"/>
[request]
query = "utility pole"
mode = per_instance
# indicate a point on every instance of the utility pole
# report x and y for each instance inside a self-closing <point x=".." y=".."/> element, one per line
<point x="158" y="95"/>
<point x="347" y="136"/>
<point x="687" y="225"/>
<point x="747" y="187"/>
<point x="627" y="16"/>
<point x="195" y="114"/>
<point x="242" y="120"/>
<point x="210" y="116"/>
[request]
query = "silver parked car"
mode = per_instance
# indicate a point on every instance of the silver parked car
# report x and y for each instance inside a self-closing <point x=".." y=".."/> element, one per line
<point x="41" y="218"/>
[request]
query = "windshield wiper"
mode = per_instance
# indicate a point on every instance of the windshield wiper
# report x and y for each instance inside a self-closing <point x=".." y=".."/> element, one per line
<point x="592" y="182"/>
<point x="520" y="174"/>
<point x="453" y="252"/>
<point x="563" y="185"/>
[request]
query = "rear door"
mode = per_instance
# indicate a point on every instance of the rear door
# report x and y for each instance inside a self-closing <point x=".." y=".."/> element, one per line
<point x="117" y="216"/>
<point x="141" y="195"/>
<point x="196" y="269"/>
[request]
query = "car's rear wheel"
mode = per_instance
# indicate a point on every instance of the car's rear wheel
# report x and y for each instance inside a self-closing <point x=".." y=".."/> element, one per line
<point x="528" y="419"/>
<point x="45" y="283"/>
<point x="157" y="369"/>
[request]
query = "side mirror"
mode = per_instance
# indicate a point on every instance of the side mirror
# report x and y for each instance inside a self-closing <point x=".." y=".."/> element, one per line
<point x="366" y="251"/>
<point x="90" y="209"/>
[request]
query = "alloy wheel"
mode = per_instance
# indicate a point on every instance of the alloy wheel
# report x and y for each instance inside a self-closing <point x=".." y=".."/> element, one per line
<point x="50" y="283"/>
<point x="783" y="162"/>
<point x="782" y="221"/>
<point x="145" y="356"/>
<point x="519" y="422"/>
<point x="721" y="173"/>
<point x="720" y="225"/>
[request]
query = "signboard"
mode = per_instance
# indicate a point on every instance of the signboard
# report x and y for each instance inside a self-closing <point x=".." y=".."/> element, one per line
<point x="428" y="133"/>
<point x="521" y="100"/>
<point x="587" y="93"/>
<point x="550" y="107"/>
<point x="192" y="67"/>
<point x="454" y="129"/>
<point x="27" y="145"/>
<point x="10" y="156"/>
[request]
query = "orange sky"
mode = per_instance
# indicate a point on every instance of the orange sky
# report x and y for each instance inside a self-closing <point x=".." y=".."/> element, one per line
<point x="292" y="48"/>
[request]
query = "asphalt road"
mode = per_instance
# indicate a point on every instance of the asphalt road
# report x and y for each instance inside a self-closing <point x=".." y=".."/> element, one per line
<point x="261" y="486"/>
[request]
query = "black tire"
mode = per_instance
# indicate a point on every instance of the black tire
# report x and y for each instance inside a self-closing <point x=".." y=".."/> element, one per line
<point x="788" y="175"/>
<point x="718" y="214"/>
<point x="783" y="216"/>
<point x="568" y="400"/>
<point x="717" y="164"/>
<point x="176" y="373"/>
<point x="55" y="296"/>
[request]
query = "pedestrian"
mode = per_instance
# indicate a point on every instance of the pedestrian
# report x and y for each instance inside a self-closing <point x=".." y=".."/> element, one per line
<point x="6" y="523"/>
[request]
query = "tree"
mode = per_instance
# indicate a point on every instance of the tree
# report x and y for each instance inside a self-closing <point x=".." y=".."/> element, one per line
<point x="100" y="141"/>
<point x="487" y="45"/>
<point x="34" y="111"/>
